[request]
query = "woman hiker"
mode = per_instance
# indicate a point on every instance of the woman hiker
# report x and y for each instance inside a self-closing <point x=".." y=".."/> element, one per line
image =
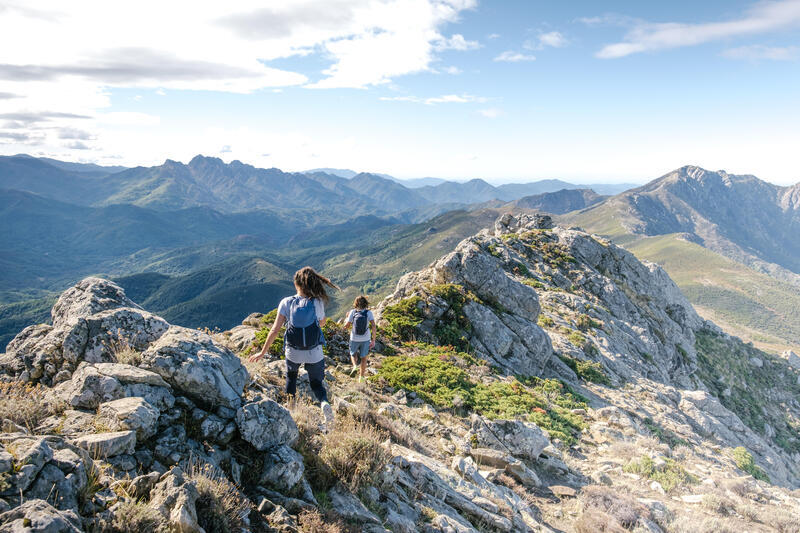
<point x="304" y="316"/>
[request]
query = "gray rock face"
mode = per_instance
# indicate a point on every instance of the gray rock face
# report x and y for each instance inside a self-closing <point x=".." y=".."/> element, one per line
<point x="105" y="445"/>
<point x="91" y="322"/>
<point x="93" y="384"/>
<point x="350" y="507"/>
<point x="30" y="457"/>
<point x="38" y="515"/>
<point x="503" y="322"/>
<point x="239" y="338"/>
<point x="190" y="361"/>
<point x="266" y="425"/>
<point x="283" y="468"/>
<point x="131" y="413"/>
<point x="518" y="438"/>
<point x="175" y="500"/>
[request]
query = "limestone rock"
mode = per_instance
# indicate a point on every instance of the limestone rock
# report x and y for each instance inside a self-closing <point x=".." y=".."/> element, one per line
<point x="131" y="413"/>
<point x="350" y="507"/>
<point x="38" y="515"/>
<point x="283" y="468"/>
<point x="193" y="365"/>
<point x="103" y="445"/>
<point x="266" y="424"/>
<point x="30" y="456"/>
<point x="518" y="438"/>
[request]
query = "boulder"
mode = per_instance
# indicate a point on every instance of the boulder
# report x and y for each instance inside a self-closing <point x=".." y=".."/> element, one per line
<point x="104" y="445"/>
<point x="96" y="383"/>
<point x="350" y="507"/>
<point x="38" y="515"/>
<point x="283" y="468"/>
<point x="237" y="339"/>
<point x="92" y="321"/>
<point x="30" y="456"/>
<point x="266" y="425"/>
<point x="518" y="438"/>
<point x="196" y="367"/>
<point x="175" y="500"/>
<point x="131" y="413"/>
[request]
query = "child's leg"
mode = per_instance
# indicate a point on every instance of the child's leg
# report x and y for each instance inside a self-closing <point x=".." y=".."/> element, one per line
<point x="291" y="377"/>
<point x="364" y="354"/>
<point x="316" y="373"/>
<point x="353" y="356"/>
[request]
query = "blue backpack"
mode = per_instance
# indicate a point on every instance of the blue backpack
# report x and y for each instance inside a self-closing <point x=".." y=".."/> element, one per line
<point x="360" y="321"/>
<point x="302" y="328"/>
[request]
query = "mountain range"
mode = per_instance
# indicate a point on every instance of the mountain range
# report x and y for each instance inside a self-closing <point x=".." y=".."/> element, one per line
<point x="171" y="231"/>
<point x="731" y="242"/>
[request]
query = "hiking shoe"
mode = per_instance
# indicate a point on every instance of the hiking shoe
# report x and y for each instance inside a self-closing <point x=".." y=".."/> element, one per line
<point x="327" y="413"/>
<point x="353" y="371"/>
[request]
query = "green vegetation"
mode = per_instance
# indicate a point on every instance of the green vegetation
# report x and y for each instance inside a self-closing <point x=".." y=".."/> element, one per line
<point x="667" y="437"/>
<point x="535" y="283"/>
<point x="670" y="475"/>
<point x="744" y="460"/>
<point x="584" y="322"/>
<point x="545" y="321"/>
<point x="748" y="390"/>
<point x="403" y="318"/>
<point x="439" y="375"/>
<point x="591" y="371"/>
<point x="577" y="339"/>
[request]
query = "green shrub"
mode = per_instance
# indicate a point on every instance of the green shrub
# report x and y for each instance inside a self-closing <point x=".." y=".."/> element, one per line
<point x="586" y="370"/>
<point x="402" y="318"/>
<point x="531" y="282"/>
<point x="545" y="321"/>
<point x="671" y="475"/>
<point x="744" y="460"/>
<point x="439" y="377"/>
<point x="584" y="322"/>
<point x="577" y="339"/>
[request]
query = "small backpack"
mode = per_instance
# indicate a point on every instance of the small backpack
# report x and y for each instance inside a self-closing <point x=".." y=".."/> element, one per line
<point x="302" y="329"/>
<point x="360" y="321"/>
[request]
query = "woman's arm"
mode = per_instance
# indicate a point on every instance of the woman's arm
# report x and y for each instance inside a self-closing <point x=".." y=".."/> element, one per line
<point x="374" y="334"/>
<point x="276" y="327"/>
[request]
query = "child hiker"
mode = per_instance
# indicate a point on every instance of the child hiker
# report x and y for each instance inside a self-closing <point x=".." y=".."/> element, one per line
<point x="304" y="316"/>
<point x="361" y="321"/>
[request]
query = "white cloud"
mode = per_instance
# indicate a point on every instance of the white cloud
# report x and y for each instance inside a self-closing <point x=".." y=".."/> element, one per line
<point x="553" y="39"/>
<point x="493" y="36"/>
<point x="491" y="112"/>
<point x="452" y="70"/>
<point x="763" y="17"/>
<point x="510" y="56"/>
<point x="184" y="45"/>
<point x="444" y="99"/>
<point x="757" y="52"/>
<point x="457" y="42"/>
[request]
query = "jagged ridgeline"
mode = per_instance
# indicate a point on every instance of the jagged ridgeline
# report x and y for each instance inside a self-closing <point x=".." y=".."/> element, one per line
<point x="536" y="378"/>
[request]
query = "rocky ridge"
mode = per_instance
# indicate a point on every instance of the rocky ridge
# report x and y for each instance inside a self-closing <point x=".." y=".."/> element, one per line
<point x="569" y="390"/>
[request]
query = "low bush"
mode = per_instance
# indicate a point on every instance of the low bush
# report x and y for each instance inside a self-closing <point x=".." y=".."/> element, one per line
<point x="586" y="370"/>
<point x="439" y="376"/>
<point x="401" y="319"/>
<point x="744" y="460"/>
<point x="625" y="510"/>
<point x="671" y="475"/>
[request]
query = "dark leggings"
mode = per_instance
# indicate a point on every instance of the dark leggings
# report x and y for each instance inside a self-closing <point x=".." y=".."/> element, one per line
<point x="316" y="373"/>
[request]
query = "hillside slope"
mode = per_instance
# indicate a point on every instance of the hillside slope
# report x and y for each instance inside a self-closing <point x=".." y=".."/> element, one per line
<point x="533" y="379"/>
<point x="731" y="242"/>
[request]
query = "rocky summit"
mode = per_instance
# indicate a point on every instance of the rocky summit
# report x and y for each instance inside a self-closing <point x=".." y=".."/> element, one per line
<point x="536" y="378"/>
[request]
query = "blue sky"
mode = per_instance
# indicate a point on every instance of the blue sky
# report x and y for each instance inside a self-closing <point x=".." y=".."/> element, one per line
<point x="505" y="91"/>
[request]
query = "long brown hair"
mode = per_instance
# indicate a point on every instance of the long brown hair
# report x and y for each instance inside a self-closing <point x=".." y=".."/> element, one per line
<point x="311" y="284"/>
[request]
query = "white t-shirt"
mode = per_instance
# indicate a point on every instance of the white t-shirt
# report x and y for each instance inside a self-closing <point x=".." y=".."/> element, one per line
<point x="359" y="338"/>
<point x="314" y="355"/>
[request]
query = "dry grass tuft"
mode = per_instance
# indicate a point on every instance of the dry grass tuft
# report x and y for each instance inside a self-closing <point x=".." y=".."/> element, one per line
<point x="134" y="517"/>
<point x="625" y="510"/>
<point x="220" y="507"/>
<point x="696" y="524"/>
<point x="354" y="452"/>
<point x="316" y="522"/>
<point x="27" y="405"/>
<point x="596" y="521"/>
<point x="121" y="350"/>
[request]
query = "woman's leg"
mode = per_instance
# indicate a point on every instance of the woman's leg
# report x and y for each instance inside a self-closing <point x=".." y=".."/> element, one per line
<point x="291" y="377"/>
<point x="364" y="354"/>
<point x="316" y="373"/>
